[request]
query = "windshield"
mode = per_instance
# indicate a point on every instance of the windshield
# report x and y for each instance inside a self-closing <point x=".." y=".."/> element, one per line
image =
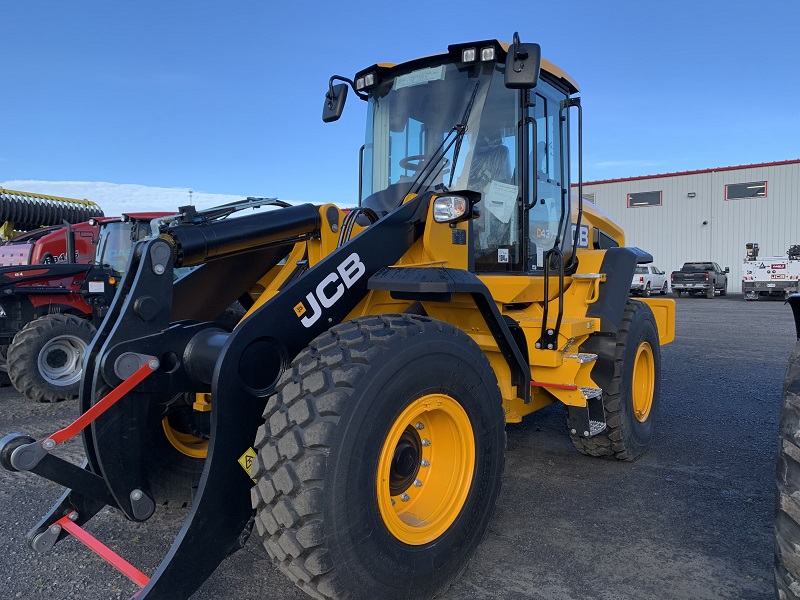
<point x="409" y="117"/>
<point x="115" y="242"/>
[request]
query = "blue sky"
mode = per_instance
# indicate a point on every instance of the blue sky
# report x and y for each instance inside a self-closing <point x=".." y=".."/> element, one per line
<point x="226" y="97"/>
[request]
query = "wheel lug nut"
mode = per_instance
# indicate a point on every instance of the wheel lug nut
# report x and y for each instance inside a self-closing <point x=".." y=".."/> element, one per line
<point x="426" y="442"/>
<point x="417" y="483"/>
<point x="419" y="425"/>
<point x="425" y="463"/>
<point x="405" y="497"/>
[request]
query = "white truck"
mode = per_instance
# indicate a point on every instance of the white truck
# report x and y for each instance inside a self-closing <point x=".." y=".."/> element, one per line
<point x="648" y="279"/>
<point x="770" y="275"/>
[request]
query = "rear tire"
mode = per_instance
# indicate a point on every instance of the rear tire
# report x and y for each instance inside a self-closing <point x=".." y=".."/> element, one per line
<point x="646" y="292"/>
<point x="45" y="360"/>
<point x="631" y="400"/>
<point x="787" y="499"/>
<point x="346" y="504"/>
<point x="710" y="292"/>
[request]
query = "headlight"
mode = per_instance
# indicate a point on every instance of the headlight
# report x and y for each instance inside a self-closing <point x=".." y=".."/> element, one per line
<point x="449" y="208"/>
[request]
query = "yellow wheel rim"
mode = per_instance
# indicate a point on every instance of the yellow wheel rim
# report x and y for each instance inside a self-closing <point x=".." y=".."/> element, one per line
<point x="425" y="469"/>
<point x="185" y="443"/>
<point x="644" y="382"/>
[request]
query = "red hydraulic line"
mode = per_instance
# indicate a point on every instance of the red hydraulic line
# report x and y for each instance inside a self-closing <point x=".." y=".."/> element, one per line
<point x="79" y="424"/>
<point x="557" y="386"/>
<point x="104" y="552"/>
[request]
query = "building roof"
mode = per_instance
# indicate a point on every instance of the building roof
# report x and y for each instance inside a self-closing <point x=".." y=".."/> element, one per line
<point x="699" y="171"/>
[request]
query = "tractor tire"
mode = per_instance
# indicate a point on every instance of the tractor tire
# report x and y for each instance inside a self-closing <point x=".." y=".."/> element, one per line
<point x="787" y="499"/>
<point x="631" y="401"/>
<point x="45" y="360"/>
<point x="646" y="292"/>
<point x="175" y="450"/>
<point x="352" y="502"/>
<point x="176" y="454"/>
<point x="710" y="293"/>
<point x="5" y="380"/>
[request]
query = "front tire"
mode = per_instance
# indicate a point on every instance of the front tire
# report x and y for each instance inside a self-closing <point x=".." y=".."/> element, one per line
<point x="787" y="498"/>
<point x="45" y="359"/>
<point x="380" y="461"/>
<point x="632" y="398"/>
<point x="665" y="289"/>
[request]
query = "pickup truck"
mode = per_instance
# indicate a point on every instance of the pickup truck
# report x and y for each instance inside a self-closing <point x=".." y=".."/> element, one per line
<point x="648" y="279"/>
<point x="700" y="278"/>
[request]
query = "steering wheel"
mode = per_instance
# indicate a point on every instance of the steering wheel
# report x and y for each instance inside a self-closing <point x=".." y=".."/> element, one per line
<point x="417" y="162"/>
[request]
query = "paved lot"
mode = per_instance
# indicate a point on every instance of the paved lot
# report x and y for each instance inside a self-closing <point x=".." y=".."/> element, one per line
<point x="690" y="520"/>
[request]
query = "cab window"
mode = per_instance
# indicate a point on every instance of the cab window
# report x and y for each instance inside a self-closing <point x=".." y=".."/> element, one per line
<point x="544" y="216"/>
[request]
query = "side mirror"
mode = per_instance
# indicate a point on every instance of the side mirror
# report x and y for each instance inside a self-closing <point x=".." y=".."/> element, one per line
<point x="523" y="62"/>
<point x="334" y="102"/>
<point x="727" y="269"/>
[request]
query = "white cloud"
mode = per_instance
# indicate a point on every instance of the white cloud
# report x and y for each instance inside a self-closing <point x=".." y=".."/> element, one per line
<point x="119" y="198"/>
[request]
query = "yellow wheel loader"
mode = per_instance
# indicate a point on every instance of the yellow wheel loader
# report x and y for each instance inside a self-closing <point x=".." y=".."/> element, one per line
<point x="355" y="416"/>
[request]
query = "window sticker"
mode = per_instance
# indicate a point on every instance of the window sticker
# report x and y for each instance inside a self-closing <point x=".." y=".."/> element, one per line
<point x="501" y="200"/>
<point x="419" y="77"/>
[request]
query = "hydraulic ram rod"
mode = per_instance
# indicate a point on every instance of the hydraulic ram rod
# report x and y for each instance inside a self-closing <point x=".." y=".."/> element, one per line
<point x="194" y="244"/>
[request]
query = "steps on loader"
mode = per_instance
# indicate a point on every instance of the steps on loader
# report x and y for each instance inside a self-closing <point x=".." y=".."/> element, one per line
<point x="582" y="357"/>
<point x="591" y="392"/>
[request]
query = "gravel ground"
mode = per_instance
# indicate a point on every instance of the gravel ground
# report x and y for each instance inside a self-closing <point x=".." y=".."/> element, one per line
<point x="691" y="520"/>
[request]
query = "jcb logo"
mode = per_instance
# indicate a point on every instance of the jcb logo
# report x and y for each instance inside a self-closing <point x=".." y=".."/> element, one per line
<point x="583" y="237"/>
<point x="330" y="289"/>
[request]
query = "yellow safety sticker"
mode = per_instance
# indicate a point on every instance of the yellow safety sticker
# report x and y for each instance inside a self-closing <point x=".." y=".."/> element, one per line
<point x="300" y="309"/>
<point x="246" y="460"/>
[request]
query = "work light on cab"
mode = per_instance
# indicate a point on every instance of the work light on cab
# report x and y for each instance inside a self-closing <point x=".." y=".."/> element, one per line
<point x="365" y="82"/>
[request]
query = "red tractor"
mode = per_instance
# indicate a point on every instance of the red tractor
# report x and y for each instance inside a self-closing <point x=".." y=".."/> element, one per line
<point x="49" y="310"/>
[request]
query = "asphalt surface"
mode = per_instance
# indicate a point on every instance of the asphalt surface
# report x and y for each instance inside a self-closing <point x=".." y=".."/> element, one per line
<point x="692" y="519"/>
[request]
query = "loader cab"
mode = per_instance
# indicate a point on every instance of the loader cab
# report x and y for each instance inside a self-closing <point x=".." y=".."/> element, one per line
<point x="511" y="145"/>
<point x="116" y="239"/>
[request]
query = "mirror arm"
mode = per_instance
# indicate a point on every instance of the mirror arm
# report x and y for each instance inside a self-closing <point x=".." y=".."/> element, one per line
<point x="350" y="82"/>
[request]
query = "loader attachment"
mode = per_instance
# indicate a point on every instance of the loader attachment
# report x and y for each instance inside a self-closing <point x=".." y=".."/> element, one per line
<point x="147" y="324"/>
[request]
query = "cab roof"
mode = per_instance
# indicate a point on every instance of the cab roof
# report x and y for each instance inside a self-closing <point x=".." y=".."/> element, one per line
<point x="454" y="50"/>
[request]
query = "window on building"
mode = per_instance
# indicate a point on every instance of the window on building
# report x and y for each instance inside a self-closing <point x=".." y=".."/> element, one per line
<point x="741" y="191"/>
<point x="639" y="199"/>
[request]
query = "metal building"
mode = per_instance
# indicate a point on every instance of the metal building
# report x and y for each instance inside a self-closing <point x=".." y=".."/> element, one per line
<point x="706" y="215"/>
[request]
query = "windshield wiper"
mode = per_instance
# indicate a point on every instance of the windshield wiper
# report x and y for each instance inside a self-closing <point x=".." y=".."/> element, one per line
<point x="459" y="129"/>
<point x="462" y="128"/>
